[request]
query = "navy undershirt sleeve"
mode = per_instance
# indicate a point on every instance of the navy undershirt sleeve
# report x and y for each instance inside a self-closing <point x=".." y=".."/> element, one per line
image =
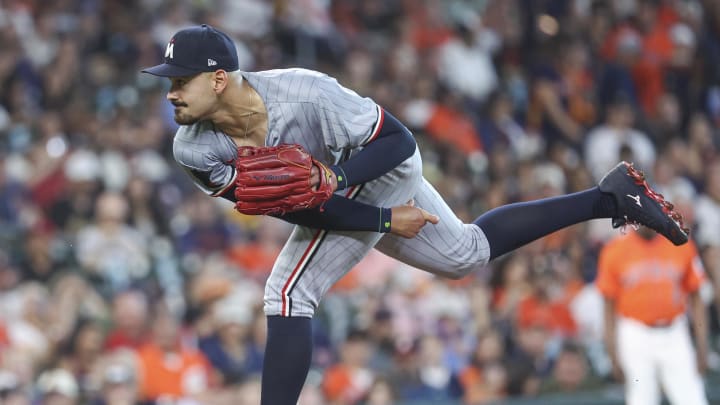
<point x="343" y="214"/>
<point x="393" y="144"/>
<point x="337" y="214"/>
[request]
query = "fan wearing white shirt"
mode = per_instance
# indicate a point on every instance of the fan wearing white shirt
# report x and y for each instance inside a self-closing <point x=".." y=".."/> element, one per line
<point x="605" y="142"/>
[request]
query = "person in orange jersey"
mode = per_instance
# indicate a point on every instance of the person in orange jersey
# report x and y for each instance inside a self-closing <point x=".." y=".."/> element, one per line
<point x="647" y="284"/>
<point x="170" y="370"/>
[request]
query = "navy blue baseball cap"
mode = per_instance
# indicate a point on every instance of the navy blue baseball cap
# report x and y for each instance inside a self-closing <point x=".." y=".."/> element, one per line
<point x="195" y="50"/>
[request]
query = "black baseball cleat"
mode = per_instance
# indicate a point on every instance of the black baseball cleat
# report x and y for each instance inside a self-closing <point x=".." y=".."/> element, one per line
<point x="638" y="204"/>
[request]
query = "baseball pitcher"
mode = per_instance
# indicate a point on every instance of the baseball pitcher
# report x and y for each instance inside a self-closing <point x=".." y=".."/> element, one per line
<point x="297" y="145"/>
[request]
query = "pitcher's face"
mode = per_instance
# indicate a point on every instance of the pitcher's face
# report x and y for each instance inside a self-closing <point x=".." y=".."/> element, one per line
<point x="193" y="97"/>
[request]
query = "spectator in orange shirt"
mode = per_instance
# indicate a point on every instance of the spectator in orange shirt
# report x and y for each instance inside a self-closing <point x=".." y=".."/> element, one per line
<point x="257" y="256"/>
<point x="168" y="368"/>
<point x="546" y="307"/>
<point x="130" y="321"/>
<point x="646" y="284"/>
<point x="4" y="341"/>
<point x="348" y="381"/>
<point x="480" y="380"/>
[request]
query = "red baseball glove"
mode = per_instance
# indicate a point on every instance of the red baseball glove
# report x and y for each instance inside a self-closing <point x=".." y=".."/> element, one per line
<point x="277" y="179"/>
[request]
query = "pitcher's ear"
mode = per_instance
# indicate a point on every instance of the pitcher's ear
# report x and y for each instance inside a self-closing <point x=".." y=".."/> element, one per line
<point x="220" y="80"/>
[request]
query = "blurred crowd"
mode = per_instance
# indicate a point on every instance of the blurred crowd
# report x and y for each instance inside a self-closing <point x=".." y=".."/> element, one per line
<point x="121" y="283"/>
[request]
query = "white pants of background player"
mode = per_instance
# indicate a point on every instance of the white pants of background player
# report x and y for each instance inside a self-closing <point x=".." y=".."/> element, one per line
<point x="313" y="260"/>
<point x="654" y="357"/>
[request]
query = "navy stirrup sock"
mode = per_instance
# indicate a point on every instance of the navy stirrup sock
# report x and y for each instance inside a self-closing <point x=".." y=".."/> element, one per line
<point x="287" y="359"/>
<point x="511" y="226"/>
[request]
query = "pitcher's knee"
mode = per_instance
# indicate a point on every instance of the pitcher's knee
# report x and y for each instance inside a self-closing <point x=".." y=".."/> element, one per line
<point x="455" y="276"/>
<point x="288" y="305"/>
<point x="458" y="271"/>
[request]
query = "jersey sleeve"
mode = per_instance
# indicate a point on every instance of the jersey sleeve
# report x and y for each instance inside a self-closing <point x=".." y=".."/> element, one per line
<point x="607" y="281"/>
<point x="695" y="271"/>
<point x="208" y="158"/>
<point x="347" y="119"/>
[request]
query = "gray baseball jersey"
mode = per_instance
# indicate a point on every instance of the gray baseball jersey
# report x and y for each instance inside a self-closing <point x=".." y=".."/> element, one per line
<point x="332" y="122"/>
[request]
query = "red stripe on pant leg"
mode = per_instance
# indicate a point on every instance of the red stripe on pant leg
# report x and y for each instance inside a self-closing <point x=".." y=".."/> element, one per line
<point x="351" y="193"/>
<point x="296" y="269"/>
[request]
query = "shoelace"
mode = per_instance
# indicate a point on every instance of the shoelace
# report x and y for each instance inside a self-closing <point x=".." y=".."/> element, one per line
<point x="634" y="225"/>
<point x="667" y="207"/>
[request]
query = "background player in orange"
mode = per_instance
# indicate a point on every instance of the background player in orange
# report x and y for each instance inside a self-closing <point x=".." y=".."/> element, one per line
<point x="646" y="283"/>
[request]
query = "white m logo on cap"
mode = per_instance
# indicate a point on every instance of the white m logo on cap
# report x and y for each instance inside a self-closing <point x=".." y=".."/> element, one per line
<point x="169" y="50"/>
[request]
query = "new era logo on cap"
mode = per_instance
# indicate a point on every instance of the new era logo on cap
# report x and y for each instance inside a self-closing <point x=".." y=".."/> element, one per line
<point x="195" y="50"/>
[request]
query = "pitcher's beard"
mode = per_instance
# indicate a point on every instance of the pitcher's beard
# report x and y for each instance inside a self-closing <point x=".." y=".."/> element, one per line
<point x="185" y="119"/>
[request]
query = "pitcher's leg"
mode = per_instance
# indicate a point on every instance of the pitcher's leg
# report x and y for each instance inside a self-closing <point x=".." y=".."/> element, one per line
<point x="287" y="359"/>
<point x="449" y="249"/>
<point x="310" y="263"/>
<point x="623" y="194"/>
<point x="514" y="225"/>
<point x="453" y="249"/>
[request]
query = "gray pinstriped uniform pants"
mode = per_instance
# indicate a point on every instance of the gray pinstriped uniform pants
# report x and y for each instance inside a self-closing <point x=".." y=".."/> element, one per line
<point x="313" y="260"/>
